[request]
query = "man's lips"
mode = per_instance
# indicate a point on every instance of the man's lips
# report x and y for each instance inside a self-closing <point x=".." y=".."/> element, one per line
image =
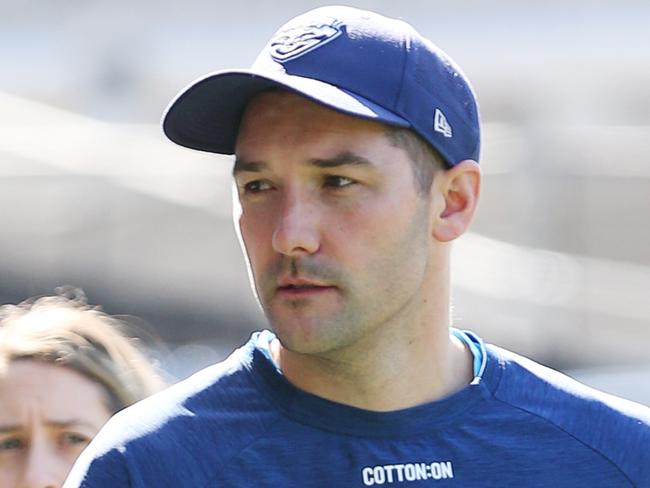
<point x="294" y="282"/>
<point x="301" y="288"/>
<point x="303" y="291"/>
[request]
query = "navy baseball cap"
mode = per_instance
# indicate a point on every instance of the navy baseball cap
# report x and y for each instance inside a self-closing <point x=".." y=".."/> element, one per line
<point x="353" y="61"/>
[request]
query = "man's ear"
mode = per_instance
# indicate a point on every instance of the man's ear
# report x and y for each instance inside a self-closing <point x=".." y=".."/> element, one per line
<point x="459" y="188"/>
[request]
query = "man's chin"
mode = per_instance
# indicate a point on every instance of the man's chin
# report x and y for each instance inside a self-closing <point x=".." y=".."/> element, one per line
<point x="306" y="337"/>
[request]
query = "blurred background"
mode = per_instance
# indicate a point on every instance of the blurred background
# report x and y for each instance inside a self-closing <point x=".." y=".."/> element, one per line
<point x="557" y="266"/>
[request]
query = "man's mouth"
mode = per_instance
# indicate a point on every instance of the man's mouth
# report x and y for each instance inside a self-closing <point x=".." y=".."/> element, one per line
<point x="302" y="290"/>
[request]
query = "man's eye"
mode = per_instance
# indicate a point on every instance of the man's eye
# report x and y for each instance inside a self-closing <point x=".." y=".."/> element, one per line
<point x="74" y="439"/>
<point x="338" y="181"/>
<point x="256" y="186"/>
<point x="12" y="443"/>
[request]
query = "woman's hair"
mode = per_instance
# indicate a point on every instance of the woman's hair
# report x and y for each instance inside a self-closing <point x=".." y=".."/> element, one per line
<point x="66" y="331"/>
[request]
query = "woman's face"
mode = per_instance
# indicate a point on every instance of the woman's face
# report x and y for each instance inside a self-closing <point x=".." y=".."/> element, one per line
<point x="48" y="415"/>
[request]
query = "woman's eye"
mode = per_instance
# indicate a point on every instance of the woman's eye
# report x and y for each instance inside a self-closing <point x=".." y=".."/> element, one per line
<point x="74" y="439"/>
<point x="9" y="444"/>
<point x="338" y="181"/>
<point x="256" y="186"/>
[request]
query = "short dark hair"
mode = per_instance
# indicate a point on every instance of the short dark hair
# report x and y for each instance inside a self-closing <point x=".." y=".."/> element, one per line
<point x="425" y="160"/>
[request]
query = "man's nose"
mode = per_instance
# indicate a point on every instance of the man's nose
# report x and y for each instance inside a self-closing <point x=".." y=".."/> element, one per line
<point x="43" y="469"/>
<point x="297" y="227"/>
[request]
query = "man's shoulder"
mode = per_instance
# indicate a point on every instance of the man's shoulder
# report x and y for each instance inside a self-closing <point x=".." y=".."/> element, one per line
<point x="190" y="428"/>
<point x="200" y="404"/>
<point x="530" y="383"/>
<point x="618" y="429"/>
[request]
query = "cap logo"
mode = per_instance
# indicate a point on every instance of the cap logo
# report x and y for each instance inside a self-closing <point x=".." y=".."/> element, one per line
<point x="294" y="42"/>
<point x="440" y="123"/>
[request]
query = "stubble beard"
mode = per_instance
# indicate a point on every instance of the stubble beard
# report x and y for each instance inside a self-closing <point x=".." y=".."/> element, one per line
<point x="310" y="325"/>
<point x="307" y="327"/>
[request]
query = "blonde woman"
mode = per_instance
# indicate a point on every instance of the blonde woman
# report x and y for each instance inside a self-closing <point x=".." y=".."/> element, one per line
<point x="65" y="368"/>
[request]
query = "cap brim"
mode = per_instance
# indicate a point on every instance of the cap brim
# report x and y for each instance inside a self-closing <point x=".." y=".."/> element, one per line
<point x="206" y="115"/>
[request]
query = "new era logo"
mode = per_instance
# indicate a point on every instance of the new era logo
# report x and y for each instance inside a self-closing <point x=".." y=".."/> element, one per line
<point x="440" y="123"/>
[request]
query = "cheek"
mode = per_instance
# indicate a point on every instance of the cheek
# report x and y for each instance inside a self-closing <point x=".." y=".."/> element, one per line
<point x="386" y="240"/>
<point x="371" y="226"/>
<point x="256" y="232"/>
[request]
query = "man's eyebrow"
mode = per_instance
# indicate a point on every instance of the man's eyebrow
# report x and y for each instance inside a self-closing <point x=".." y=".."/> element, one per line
<point x="252" y="166"/>
<point x="342" y="159"/>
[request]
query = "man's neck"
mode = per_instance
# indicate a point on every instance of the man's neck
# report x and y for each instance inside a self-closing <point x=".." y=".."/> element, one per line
<point x="408" y="360"/>
<point x="425" y="367"/>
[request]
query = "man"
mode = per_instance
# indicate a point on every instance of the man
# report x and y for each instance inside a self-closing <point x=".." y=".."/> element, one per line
<point x="356" y="144"/>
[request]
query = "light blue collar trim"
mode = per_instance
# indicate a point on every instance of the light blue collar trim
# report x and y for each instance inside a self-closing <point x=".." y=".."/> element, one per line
<point x="265" y="337"/>
<point x="263" y="341"/>
<point x="477" y="349"/>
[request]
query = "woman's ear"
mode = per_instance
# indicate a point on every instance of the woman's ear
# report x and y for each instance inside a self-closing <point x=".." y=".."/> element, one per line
<point x="459" y="187"/>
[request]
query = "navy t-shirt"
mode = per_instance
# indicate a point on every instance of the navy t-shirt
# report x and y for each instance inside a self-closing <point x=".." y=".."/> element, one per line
<point x="240" y="423"/>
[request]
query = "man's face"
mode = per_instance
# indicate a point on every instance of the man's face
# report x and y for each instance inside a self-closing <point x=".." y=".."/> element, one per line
<point x="336" y="237"/>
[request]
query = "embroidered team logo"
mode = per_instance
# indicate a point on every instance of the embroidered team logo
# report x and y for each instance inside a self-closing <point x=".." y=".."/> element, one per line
<point x="440" y="124"/>
<point x="294" y="42"/>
